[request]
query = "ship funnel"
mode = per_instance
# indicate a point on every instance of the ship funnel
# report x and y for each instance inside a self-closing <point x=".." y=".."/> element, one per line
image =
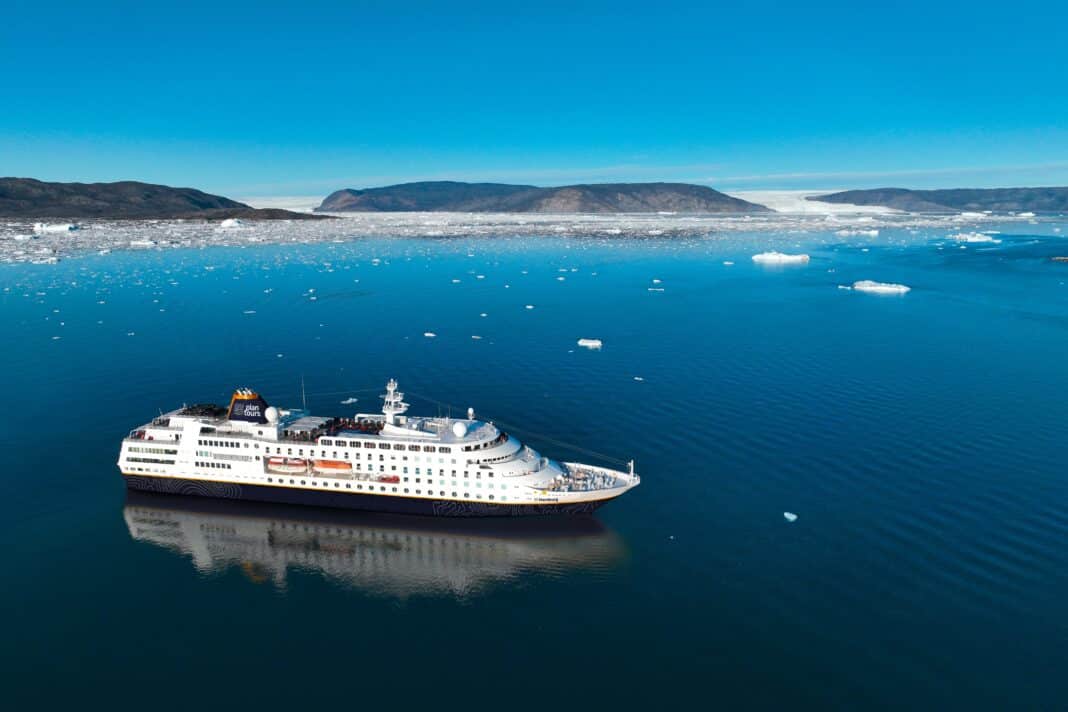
<point x="247" y="405"/>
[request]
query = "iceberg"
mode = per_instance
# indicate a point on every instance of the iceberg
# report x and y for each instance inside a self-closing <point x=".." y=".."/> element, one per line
<point x="593" y="344"/>
<point x="429" y="334"/>
<point x="780" y="258"/>
<point x="40" y="228"/>
<point x="230" y="223"/>
<point x="349" y="401"/>
<point x="867" y="285"/>
<point x="973" y="237"/>
<point x="789" y="516"/>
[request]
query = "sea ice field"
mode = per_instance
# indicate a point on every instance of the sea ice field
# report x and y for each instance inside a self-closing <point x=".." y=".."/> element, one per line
<point x="853" y="482"/>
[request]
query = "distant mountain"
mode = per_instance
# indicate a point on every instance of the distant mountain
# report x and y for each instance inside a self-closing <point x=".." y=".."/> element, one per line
<point x="452" y="196"/>
<point x="1044" y="200"/>
<point x="29" y="198"/>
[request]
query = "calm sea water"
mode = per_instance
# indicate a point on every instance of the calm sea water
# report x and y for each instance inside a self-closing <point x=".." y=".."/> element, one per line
<point x="920" y="439"/>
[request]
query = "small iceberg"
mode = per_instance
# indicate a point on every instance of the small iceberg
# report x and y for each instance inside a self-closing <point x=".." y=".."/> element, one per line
<point x="867" y="285"/>
<point x="593" y="344"/>
<point x="789" y="516"/>
<point x="231" y="223"/>
<point x="429" y="334"/>
<point x="40" y="228"/>
<point x="349" y="401"/>
<point x="728" y="263"/>
<point x="780" y="258"/>
<point x="973" y="237"/>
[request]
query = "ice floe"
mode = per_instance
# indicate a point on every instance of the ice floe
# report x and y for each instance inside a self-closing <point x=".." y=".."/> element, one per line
<point x="780" y="258"/>
<point x="349" y="401"/>
<point x="867" y="285"/>
<point x="429" y="334"/>
<point x="974" y="237"/>
<point x="43" y="228"/>
<point x="789" y="516"/>
<point x="592" y="344"/>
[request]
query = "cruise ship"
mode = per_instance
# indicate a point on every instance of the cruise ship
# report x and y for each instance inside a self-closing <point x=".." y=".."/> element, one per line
<point x="385" y="462"/>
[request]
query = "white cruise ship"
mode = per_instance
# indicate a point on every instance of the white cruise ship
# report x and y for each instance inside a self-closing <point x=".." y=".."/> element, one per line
<point x="387" y="462"/>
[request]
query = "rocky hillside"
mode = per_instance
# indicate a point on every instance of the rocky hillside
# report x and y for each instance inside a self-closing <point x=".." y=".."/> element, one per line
<point x="29" y="198"/>
<point x="451" y="196"/>
<point x="1036" y="200"/>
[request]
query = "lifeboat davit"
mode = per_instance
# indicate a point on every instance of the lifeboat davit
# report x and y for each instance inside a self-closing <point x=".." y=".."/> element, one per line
<point x="332" y="467"/>
<point x="287" y="465"/>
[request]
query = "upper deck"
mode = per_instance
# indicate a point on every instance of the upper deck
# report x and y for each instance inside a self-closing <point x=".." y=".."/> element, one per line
<point x="261" y="422"/>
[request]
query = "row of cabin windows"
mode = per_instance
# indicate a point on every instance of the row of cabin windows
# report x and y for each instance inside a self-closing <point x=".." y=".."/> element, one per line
<point x="371" y="488"/>
<point x="153" y="460"/>
<point x="345" y="455"/>
<point x="216" y="465"/>
<point x="488" y="444"/>
<point x="156" y="450"/>
<point x="385" y="446"/>
<point x="221" y="443"/>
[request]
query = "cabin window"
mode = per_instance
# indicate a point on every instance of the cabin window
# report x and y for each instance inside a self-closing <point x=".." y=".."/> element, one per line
<point x="444" y="449"/>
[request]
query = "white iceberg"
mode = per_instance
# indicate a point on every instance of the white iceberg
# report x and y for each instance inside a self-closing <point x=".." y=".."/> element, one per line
<point x="593" y="344"/>
<point x="780" y="258"/>
<point x="973" y="237"/>
<point x="349" y="401"/>
<point x="429" y="334"/>
<point x="54" y="227"/>
<point x="231" y="223"/>
<point x="789" y="516"/>
<point x="867" y="285"/>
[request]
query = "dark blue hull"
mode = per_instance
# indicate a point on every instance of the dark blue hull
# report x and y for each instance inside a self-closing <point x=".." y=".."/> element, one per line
<point x="352" y="500"/>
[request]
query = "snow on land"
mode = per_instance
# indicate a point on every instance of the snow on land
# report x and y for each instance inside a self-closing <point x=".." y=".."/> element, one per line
<point x="780" y="258"/>
<point x="796" y="202"/>
<point x="296" y="203"/>
<point x="100" y="236"/>
<point x="867" y="285"/>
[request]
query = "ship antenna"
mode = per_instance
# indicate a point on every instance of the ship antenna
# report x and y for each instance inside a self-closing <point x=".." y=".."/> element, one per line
<point x="303" y="395"/>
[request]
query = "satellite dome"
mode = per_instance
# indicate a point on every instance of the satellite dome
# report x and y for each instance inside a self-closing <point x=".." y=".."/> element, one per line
<point x="459" y="429"/>
<point x="271" y="414"/>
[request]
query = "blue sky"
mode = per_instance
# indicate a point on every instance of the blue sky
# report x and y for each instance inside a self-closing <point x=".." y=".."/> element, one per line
<point x="299" y="99"/>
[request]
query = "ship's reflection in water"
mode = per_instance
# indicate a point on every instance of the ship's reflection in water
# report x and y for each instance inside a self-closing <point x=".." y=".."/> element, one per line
<point x="388" y="555"/>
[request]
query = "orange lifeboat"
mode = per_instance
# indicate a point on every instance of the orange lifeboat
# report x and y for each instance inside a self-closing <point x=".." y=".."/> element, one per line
<point x="332" y="467"/>
<point x="287" y="465"/>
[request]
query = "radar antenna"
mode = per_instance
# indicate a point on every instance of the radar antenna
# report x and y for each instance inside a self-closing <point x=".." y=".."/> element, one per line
<point x="393" y="402"/>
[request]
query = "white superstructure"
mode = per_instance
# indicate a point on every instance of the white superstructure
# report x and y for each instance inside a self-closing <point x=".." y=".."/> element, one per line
<point x="389" y="454"/>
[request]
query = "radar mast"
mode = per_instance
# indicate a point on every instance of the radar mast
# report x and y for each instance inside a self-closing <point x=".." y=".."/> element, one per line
<point x="393" y="402"/>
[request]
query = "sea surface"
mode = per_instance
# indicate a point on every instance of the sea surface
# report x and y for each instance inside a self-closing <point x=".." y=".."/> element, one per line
<point x="919" y="438"/>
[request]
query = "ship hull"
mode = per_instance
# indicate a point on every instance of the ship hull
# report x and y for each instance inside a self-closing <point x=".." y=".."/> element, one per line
<point x="359" y="501"/>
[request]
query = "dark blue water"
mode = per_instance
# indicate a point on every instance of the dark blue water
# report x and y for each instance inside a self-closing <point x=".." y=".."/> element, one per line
<point x="919" y="438"/>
